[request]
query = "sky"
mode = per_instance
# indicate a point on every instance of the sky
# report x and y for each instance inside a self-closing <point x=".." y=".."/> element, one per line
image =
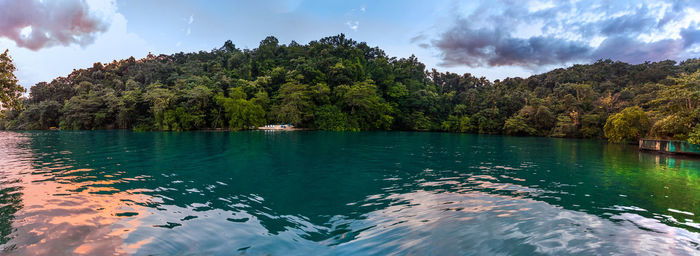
<point x="494" y="39"/>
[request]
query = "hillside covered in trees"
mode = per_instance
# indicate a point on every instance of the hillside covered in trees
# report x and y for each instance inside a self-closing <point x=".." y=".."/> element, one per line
<point x="338" y="84"/>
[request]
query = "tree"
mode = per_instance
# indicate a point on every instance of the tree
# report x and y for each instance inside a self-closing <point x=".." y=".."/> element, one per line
<point x="366" y="109"/>
<point x="95" y="110"/>
<point x="160" y="99"/>
<point x="516" y="125"/>
<point x="133" y="105"/>
<point x="489" y="121"/>
<point x="683" y="95"/>
<point x="631" y="123"/>
<point x="242" y="114"/>
<point x="295" y="104"/>
<point x="456" y="123"/>
<point x="694" y="136"/>
<point x="590" y="126"/>
<point x="397" y="91"/>
<point x="420" y="122"/>
<point x="10" y="90"/>
<point x="543" y="119"/>
<point x="331" y="118"/>
<point x="39" y="116"/>
<point x="674" y="126"/>
<point x="565" y="126"/>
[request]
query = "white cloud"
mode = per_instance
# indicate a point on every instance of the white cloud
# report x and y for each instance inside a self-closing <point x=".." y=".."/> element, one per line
<point x="353" y="25"/>
<point x="188" y="31"/>
<point x="26" y="31"/>
<point x="538" y="6"/>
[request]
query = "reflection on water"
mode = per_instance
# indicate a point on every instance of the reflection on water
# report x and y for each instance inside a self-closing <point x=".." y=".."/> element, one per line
<point x="118" y="192"/>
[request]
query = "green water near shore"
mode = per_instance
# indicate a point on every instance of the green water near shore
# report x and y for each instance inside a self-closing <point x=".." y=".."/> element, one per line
<point x="330" y="193"/>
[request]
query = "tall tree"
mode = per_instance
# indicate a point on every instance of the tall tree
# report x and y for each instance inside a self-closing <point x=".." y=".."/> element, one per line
<point x="10" y="90"/>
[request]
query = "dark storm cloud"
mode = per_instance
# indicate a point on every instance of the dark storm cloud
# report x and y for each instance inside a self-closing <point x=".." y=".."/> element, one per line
<point x="52" y="22"/>
<point x="489" y="35"/>
<point x="493" y="47"/>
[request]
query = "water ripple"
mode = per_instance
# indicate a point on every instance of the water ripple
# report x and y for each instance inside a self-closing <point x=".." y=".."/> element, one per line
<point x="120" y="193"/>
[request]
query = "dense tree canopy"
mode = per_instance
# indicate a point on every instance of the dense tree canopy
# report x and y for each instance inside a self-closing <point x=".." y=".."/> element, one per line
<point x="339" y="84"/>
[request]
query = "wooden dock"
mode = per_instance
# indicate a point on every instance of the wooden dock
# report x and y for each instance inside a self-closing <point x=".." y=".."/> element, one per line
<point x="669" y="146"/>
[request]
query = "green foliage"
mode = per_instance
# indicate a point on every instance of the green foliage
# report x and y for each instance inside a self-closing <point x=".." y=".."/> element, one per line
<point x="397" y="91"/>
<point x="39" y="116"/>
<point x="458" y="124"/>
<point x="331" y="118"/>
<point x="160" y="100"/>
<point x="488" y="121"/>
<point x="420" y="122"/>
<point x="565" y="126"/>
<point x="366" y="109"/>
<point x="674" y="126"/>
<point x="10" y="90"/>
<point x="241" y="114"/>
<point x="95" y="110"/>
<point x="681" y="96"/>
<point x="694" y="136"/>
<point x="631" y="123"/>
<point x="517" y="125"/>
<point x="295" y="104"/>
<point x="590" y="126"/>
<point x="336" y="83"/>
<point x="543" y="119"/>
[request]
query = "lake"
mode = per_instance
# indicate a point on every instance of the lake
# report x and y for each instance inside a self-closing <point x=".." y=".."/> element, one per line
<point x="334" y="193"/>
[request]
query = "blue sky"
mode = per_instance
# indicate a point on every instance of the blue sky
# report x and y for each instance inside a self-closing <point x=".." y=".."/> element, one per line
<point x="495" y="39"/>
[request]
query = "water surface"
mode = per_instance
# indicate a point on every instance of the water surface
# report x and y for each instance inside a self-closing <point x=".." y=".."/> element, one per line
<point x="325" y="193"/>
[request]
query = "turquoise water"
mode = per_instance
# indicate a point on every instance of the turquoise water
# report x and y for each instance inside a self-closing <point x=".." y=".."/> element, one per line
<point x="325" y="193"/>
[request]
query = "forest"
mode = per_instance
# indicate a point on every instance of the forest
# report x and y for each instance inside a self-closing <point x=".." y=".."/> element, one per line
<point x="339" y="84"/>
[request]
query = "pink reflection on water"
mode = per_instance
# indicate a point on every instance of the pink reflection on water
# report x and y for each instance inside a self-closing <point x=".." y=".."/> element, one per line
<point x="59" y="216"/>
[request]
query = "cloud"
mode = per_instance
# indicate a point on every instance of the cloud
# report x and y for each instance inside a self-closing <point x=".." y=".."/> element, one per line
<point x="495" y="47"/>
<point x="690" y="37"/>
<point x="532" y="34"/>
<point x="353" y="17"/>
<point x="36" y="24"/>
<point x="353" y="25"/>
<point x="188" y="31"/>
<point x="418" y="38"/>
<point x="633" y="51"/>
